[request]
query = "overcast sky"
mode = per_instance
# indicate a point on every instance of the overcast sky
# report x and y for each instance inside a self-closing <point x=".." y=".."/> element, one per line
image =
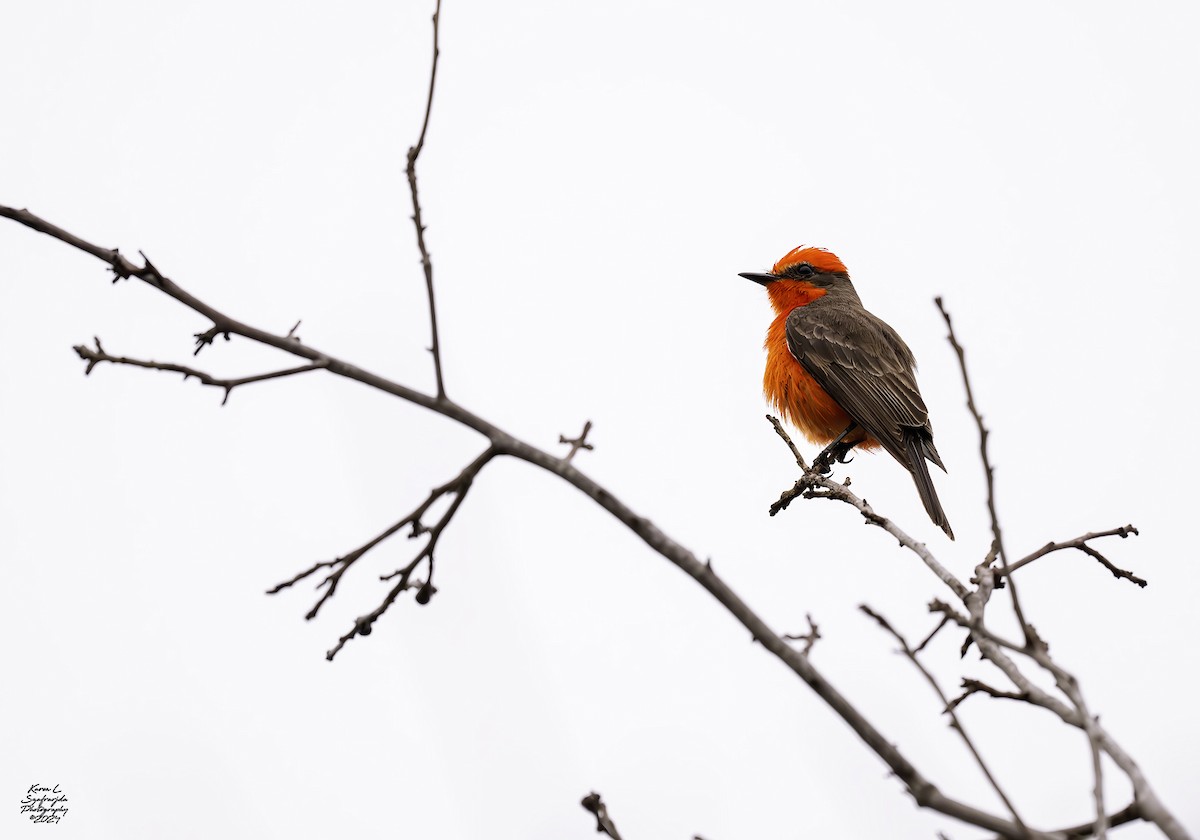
<point x="595" y="177"/>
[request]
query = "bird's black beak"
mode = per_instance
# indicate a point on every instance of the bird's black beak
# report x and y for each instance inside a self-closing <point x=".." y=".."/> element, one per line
<point x="760" y="279"/>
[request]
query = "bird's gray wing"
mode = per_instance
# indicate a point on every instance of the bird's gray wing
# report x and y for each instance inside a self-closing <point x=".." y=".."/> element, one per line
<point x="866" y="367"/>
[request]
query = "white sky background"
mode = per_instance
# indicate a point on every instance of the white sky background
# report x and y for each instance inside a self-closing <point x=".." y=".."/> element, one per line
<point x="595" y="177"/>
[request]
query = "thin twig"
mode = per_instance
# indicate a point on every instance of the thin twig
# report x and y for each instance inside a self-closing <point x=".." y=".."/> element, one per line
<point x="1066" y="682"/>
<point x="411" y="170"/>
<point x="945" y="620"/>
<point x="95" y="357"/>
<point x="995" y="649"/>
<point x="972" y="686"/>
<point x="1128" y="814"/>
<point x="1081" y="543"/>
<point x="1101" y="824"/>
<point x="988" y="469"/>
<point x="810" y="638"/>
<point x="779" y="430"/>
<point x="813" y="485"/>
<point x="577" y="443"/>
<point x="458" y="487"/>
<point x="362" y="625"/>
<point x="955" y="723"/>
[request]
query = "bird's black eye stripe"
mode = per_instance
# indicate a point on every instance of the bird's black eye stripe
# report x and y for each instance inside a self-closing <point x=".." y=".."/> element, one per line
<point x="801" y="270"/>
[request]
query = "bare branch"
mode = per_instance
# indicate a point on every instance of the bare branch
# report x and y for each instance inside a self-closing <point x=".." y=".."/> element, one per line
<point x="966" y="622"/>
<point x="204" y="339"/>
<point x="122" y="269"/>
<point x="95" y="357"/>
<point x="1081" y="543"/>
<point x="1101" y="824"/>
<point x="1034" y="646"/>
<point x="1128" y="814"/>
<point x="800" y="462"/>
<point x="1039" y="651"/>
<point x="458" y="487"/>
<point x="226" y="325"/>
<point x="813" y="485"/>
<point x="971" y="686"/>
<point x="955" y="723"/>
<point x="413" y="153"/>
<point x="604" y="824"/>
<point x="810" y="638"/>
<point x="988" y="469"/>
<point x="362" y="625"/>
<point x="945" y="620"/>
<point x="1151" y="806"/>
<point x="577" y="443"/>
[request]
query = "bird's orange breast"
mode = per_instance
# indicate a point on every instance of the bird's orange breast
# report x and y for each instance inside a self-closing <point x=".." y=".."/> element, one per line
<point x="798" y="397"/>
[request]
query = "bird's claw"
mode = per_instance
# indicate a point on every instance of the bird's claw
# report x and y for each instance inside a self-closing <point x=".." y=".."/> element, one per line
<point x="837" y="453"/>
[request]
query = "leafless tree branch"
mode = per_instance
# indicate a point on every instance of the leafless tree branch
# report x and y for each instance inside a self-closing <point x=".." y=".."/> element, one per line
<point x="577" y="443"/>
<point x="939" y="606"/>
<point x="988" y="469"/>
<point x="1128" y="814"/>
<point x="95" y="357"/>
<point x="413" y="153"/>
<point x="971" y="686"/>
<point x="814" y="485"/>
<point x="945" y="620"/>
<point x="457" y="487"/>
<point x="1100" y="826"/>
<point x="1035" y="647"/>
<point x="810" y="638"/>
<point x="955" y="723"/>
<point x="1081" y="543"/>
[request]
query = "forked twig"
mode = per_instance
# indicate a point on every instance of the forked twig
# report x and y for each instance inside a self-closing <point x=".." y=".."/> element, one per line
<point x="810" y="638"/>
<point x="1081" y="543"/>
<point x="577" y="443"/>
<point x="458" y="487"/>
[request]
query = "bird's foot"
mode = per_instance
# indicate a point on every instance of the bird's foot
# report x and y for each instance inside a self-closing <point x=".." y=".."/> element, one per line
<point x="837" y="452"/>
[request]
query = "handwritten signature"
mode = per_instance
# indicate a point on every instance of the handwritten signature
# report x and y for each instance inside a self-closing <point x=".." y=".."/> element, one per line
<point x="43" y="804"/>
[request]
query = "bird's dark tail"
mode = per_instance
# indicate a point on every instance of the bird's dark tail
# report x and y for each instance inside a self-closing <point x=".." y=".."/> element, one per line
<point x="918" y="449"/>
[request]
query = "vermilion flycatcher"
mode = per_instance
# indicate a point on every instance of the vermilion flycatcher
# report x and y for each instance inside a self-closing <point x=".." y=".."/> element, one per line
<point x="842" y="376"/>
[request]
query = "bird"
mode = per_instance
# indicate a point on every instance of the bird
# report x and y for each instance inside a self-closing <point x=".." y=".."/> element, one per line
<point x="840" y="374"/>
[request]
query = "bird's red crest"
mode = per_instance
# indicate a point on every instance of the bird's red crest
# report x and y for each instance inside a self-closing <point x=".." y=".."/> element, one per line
<point x="818" y="258"/>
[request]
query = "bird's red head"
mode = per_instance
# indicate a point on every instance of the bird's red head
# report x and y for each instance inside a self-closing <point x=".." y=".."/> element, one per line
<point x="801" y="276"/>
<point x="820" y="259"/>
